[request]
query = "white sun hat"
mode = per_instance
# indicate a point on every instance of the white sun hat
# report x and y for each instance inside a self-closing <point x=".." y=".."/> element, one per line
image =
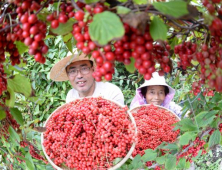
<point x="156" y="79"/>
<point x="58" y="71"/>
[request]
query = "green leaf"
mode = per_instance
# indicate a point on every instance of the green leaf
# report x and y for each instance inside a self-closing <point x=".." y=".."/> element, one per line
<point x="116" y="161"/>
<point x="173" y="42"/>
<point x="149" y="155"/>
<point x="170" y="163"/>
<point x="91" y="1"/>
<point x="170" y="146"/>
<point x="122" y="0"/>
<point x="158" y="29"/>
<point x="198" y="155"/>
<point x="11" y="100"/>
<point x="172" y="8"/>
<point x="69" y="45"/>
<point x="130" y="68"/>
<point x="123" y="10"/>
<point x="21" y="47"/>
<point x="17" y="115"/>
<point x="186" y="137"/>
<point x="20" y="84"/>
<point x="65" y="28"/>
<point x="215" y="138"/>
<point x="13" y="134"/>
<point x="216" y="98"/>
<point x="140" y="2"/>
<point x="187" y="125"/>
<point x="2" y="113"/>
<point x="204" y="118"/>
<point x="67" y="37"/>
<point x="161" y="160"/>
<point x="30" y="164"/>
<point x="176" y="81"/>
<point x="137" y="163"/>
<point x="182" y="163"/>
<point x="105" y="27"/>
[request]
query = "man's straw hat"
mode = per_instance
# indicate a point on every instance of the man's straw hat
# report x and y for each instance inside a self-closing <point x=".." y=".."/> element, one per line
<point x="58" y="71"/>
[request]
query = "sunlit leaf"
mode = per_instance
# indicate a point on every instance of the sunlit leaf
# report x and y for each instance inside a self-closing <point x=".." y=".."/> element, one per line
<point x="65" y="28"/>
<point x="170" y="163"/>
<point x="158" y="29"/>
<point x="20" y="84"/>
<point x="140" y="2"/>
<point x="149" y="155"/>
<point x="91" y="1"/>
<point x="122" y="10"/>
<point x="13" y="134"/>
<point x="67" y="37"/>
<point x="172" y="8"/>
<point x="131" y="68"/>
<point x="186" y="137"/>
<point x="21" y="47"/>
<point x="11" y="100"/>
<point x="2" y="113"/>
<point x="215" y="138"/>
<point x="105" y="27"/>
<point x="17" y="115"/>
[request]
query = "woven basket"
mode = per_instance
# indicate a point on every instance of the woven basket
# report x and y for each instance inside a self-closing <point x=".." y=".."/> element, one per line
<point x="135" y="110"/>
<point x="118" y="165"/>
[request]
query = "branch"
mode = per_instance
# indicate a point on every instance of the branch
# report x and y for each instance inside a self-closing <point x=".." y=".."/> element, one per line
<point x="75" y="5"/>
<point x="9" y="26"/>
<point x="46" y="3"/>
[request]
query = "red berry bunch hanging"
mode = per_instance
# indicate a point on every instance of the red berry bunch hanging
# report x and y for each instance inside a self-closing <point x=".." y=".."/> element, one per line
<point x="6" y="122"/>
<point x="7" y="44"/>
<point x="66" y="12"/>
<point x="29" y="30"/>
<point x="88" y="134"/>
<point x="154" y="126"/>
<point x="133" y="44"/>
<point x="34" y="154"/>
<point x="186" y="52"/>
<point x="193" y="150"/>
<point x="3" y="80"/>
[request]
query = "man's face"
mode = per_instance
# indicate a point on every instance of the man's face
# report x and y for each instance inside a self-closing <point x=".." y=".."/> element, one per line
<point x="80" y="76"/>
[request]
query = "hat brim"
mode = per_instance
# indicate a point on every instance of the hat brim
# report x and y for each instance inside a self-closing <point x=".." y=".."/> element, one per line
<point x="58" y="71"/>
<point x="171" y="90"/>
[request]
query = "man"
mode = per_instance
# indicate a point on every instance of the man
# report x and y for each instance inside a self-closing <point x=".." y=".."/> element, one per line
<point x="78" y="70"/>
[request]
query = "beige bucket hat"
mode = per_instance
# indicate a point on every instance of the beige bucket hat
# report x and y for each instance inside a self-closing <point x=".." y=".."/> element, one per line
<point x="58" y="71"/>
<point x="157" y="80"/>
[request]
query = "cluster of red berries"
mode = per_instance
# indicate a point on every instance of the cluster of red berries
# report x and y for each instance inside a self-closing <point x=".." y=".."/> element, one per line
<point x="23" y="144"/>
<point x="6" y="122"/>
<point x="186" y="51"/>
<point x="196" y="89"/>
<point x="66" y="12"/>
<point x="32" y="151"/>
<point x="133" y="44"/>
<point x="7" y="44"/>
<point x="88" y="134"/>
<point x="193" y="150"/>
<point x="154" y="127"/>
<point x="30" y="30"/>
<point x="33" y="30"/>
<point x="3" y="80"/>
<point x="34" y="154"/>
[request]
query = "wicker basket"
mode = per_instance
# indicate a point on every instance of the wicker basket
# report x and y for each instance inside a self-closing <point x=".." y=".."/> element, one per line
<point x="118" y="165"/>
<point x="135" y="110"/>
